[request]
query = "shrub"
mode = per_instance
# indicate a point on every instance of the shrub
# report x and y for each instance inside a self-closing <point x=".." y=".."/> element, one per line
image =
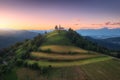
<point x="72" y="53"/>
<point x="35" y="66"/>
<point x="44" y="70"/>
<point x="25" y="64"/>
<point x="47" y="50"/>
<point x="19" y="62"/>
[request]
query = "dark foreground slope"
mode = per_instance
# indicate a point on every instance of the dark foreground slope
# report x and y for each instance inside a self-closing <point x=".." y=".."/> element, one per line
<point x="103" y="70"/>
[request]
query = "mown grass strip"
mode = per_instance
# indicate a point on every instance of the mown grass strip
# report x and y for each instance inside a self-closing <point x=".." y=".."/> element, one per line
<point x="63" y="49"/>
<point x="74" y="63"/>
<point x="52" y="56"/>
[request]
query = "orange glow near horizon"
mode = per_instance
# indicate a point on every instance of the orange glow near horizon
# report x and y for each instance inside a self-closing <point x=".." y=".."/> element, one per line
<point x="24" y="22"/>
<point x="20" y="26"/>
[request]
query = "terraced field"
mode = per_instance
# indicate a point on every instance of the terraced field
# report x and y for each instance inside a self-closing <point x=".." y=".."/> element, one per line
<point x="66" y="64"/>
<point x="60" y="57"/>
<point x="63" y="49"/>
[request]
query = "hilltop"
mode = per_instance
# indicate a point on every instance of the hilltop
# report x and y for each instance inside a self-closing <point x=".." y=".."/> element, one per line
<point x="70" y="38"/>
<point x="57" y="38"/>
<point x="58" y="55"/>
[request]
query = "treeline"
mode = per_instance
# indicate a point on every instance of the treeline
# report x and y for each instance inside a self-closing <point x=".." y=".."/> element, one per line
<point x="81" y="42"/>
<point x="35" y="66"/>
<point x="115" y="53"/>
<point x="11" y="56"/>
<point x="22" y="48"/>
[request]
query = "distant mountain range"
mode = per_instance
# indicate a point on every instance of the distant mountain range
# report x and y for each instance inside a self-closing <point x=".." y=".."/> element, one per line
<point x="114" y="40"/>
<point x="9" y="37"/>
<point x="100" y="33"/>
<point x="40" y="31"/>
<point x="109" y="38"/>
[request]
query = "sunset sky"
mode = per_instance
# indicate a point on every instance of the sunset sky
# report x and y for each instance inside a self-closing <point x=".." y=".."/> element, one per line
<point x="45" y="14"/>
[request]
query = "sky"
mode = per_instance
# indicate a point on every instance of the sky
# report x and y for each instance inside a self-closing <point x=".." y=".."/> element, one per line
<point x="45" y="14"/>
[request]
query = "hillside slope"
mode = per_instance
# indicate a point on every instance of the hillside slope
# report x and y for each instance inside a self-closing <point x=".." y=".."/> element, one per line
<point x="71" y="38"/>
<point x="115" y="40"/>
<point x="58" y="55"/>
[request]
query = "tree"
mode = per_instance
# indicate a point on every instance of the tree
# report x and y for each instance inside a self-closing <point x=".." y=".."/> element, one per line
<point x="35" y="66"/>
<point x="45" y="32"/>
<point x="56" y="27"/>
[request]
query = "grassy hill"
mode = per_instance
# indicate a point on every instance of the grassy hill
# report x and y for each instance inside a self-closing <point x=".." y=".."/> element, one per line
<point x="57" y="38"/>
<point x="59" y="55"/>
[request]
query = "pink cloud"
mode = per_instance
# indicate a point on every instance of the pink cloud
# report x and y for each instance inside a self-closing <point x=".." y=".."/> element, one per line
<point x="112" y="23"/>
<point x="117" y="23"/>
<point x="108" y="23"/>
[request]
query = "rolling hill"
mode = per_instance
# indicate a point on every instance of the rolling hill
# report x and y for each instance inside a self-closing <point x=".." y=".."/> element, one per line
<point x="10" y="37"/>
<point x="109" y="43"/>
<point x="115" y="40"/>
<point x="58" y="55"/>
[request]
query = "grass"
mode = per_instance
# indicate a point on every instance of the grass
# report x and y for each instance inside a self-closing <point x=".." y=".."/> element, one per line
<point x="71" y="73"/>
<point x="27" y="74"/>
<point x="67" y="64"/>
<point x="57" y="38"/>
<point x="86" y="65"/>
<point x="11" y="75"/>
<point x="60" y="57"/>
<point x="63" y="49"/>
<point x="106" y="70"/>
